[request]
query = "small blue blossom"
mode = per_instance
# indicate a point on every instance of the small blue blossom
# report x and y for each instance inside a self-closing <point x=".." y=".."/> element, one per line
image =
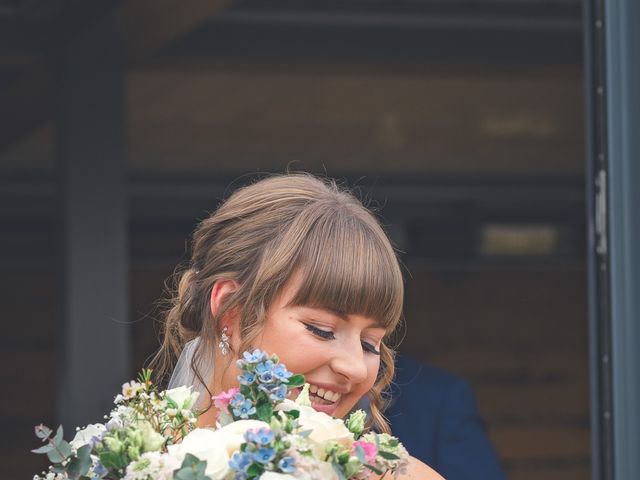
<point x="237" y="400"/>
<point x="287" y="464"/>
<point x="245" y="409"/>
<point x="279" y="394"/>
<point x="265" y="372"/>
<point x="247" y="378"/>
<point x="262" y="436"/>
<point x="99" y="470"/>
<point x="281" y="373"/>
<point x="256" y="356"/>
<point x="264" y="455"/>
<point x="240" y="461"/>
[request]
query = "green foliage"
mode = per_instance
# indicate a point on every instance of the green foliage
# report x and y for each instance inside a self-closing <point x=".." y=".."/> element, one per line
<point x="264" y="411"/>
<point x="192" y="468"/>
<point x="295" y="381"/>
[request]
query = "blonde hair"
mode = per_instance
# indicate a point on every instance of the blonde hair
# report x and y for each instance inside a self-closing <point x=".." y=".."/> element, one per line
<point x="259" y="237"/>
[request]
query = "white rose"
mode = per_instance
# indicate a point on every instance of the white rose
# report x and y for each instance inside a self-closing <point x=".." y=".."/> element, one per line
<point x="215" y="446"/>
<point x="232" y="435"/>
<point x="183" y="396"/>
<point x="84" y="436"/>
<point x="324" y="428"/>
<point x="202" y="443"/>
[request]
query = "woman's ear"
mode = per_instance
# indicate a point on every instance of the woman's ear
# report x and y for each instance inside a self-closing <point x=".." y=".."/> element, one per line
<point x="221" y="291"/>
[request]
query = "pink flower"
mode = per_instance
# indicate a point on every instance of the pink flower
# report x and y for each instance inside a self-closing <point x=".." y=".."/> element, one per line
<point x="222" y="400"/>
<point x="370" y="450"/>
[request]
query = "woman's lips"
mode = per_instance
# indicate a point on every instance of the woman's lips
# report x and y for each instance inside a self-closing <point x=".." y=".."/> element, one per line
<point x="319" y="404"/>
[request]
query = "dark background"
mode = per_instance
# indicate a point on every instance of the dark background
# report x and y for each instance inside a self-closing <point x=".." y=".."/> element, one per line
<point x="461" y="120"/>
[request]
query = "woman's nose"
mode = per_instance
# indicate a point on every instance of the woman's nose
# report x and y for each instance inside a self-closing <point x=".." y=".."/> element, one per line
<point x="349" y="361"/>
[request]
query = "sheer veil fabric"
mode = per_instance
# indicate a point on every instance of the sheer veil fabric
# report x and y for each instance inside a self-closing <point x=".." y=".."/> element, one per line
<point x="184" y="376"/>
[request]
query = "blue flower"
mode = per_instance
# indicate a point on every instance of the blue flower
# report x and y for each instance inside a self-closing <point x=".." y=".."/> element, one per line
<point x="244" y="410"/>
<point x="247" y="378"/>
<point x="256" y="356"/>
<point x="264" y="455"/>
<point x="265" y="372"/>
<point x="287" y="464"/>
<point x="279" y="394"/>
<point x="240" y="461"/>
<point x="281" y="373"/>
<point x="262" y="436"/>
<point x="237" y="400"/>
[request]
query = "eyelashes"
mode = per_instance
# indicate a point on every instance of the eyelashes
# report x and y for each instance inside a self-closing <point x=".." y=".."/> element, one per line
<point x="328" y="335"/>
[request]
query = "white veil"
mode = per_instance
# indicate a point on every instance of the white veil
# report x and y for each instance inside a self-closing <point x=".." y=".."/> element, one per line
<point x="184" y="375"/>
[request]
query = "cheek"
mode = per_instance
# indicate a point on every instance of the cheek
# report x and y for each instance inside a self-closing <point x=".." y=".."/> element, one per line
<point x="295" y="348"/>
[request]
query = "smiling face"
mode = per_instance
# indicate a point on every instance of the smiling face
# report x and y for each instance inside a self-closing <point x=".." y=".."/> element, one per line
<point x="338" y="354"/>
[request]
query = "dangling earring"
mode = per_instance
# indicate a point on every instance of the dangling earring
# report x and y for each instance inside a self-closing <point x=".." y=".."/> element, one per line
<point x="224" y="341"/>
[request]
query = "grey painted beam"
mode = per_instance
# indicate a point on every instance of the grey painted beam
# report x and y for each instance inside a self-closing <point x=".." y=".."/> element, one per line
<point x="623" y="117"/>
<point x="94" y="334"/>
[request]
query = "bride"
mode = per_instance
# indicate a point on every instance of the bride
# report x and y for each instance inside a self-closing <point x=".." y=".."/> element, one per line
<point x="296" y="266"/>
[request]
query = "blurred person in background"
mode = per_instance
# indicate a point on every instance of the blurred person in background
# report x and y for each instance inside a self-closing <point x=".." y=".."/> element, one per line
<point x="436" y="416"/>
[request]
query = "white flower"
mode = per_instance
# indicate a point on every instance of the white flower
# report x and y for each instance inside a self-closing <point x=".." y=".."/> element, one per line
<point x="152" y="466"/>
<point x="203" y="443"/>
<point x="215" y="446"/>
<point x="309" y="468"/>
<point x="131" y="389"/>
<point x="324" y="428"/>
<point x="184" y="398"/>
<point x="86" y="435"/>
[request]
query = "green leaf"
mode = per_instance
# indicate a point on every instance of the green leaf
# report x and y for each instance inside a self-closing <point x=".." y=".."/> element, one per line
<point x="192" y="469"/>
<point x="388" y="455"/>
<point x="42" y="431"/>
<point x="373" y="469"/>
<point x="80" y="464"/>
<point x="246" y="391"/>
<point x="60" y="452"/>
<point x="295" y="414"/>
<point x="58" y="438"/>
<point x="338" y="469"/>
<point x="295" y="381"/>
<point x="264" y="412"/>
<point x="43" y="449"/>
<point x="112" y="460"/>
<point x="254" y="470"/>
<point x="360" y="454"/>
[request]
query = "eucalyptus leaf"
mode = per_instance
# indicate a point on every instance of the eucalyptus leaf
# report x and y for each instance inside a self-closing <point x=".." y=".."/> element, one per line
<point x="43" y="449"/>
<point x="42" y="431"/>
<point x="338" y="469"/>
<point x="60" y="452"/>
<point x="58" y="438"/>
<point x="375" y="470"/>
<point x="388" y="455"/>
<point x="80" y="464"/>
<point x="360" y="454"/>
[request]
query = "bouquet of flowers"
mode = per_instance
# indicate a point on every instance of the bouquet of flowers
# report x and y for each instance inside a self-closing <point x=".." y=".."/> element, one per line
<point x="260" y="434"/>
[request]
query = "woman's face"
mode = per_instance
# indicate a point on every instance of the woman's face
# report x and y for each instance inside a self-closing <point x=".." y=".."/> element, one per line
<point x="338" y="354"/>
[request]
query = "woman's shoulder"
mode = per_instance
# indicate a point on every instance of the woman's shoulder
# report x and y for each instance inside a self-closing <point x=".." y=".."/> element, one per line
<point x="417" y="470"/>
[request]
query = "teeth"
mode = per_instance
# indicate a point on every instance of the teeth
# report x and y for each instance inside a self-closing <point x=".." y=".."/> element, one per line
<point x="326" y="394"/>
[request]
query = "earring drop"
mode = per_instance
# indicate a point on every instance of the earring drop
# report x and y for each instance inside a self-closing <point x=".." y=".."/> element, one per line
<point x="224" y="341"/>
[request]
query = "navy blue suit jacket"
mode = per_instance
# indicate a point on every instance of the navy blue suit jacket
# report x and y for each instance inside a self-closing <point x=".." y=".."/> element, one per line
<point x="434" y="414"/>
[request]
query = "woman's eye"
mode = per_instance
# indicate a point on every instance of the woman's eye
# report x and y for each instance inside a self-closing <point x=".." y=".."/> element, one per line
<point x="325" y="334"/>
<point x="370" y="348"/>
